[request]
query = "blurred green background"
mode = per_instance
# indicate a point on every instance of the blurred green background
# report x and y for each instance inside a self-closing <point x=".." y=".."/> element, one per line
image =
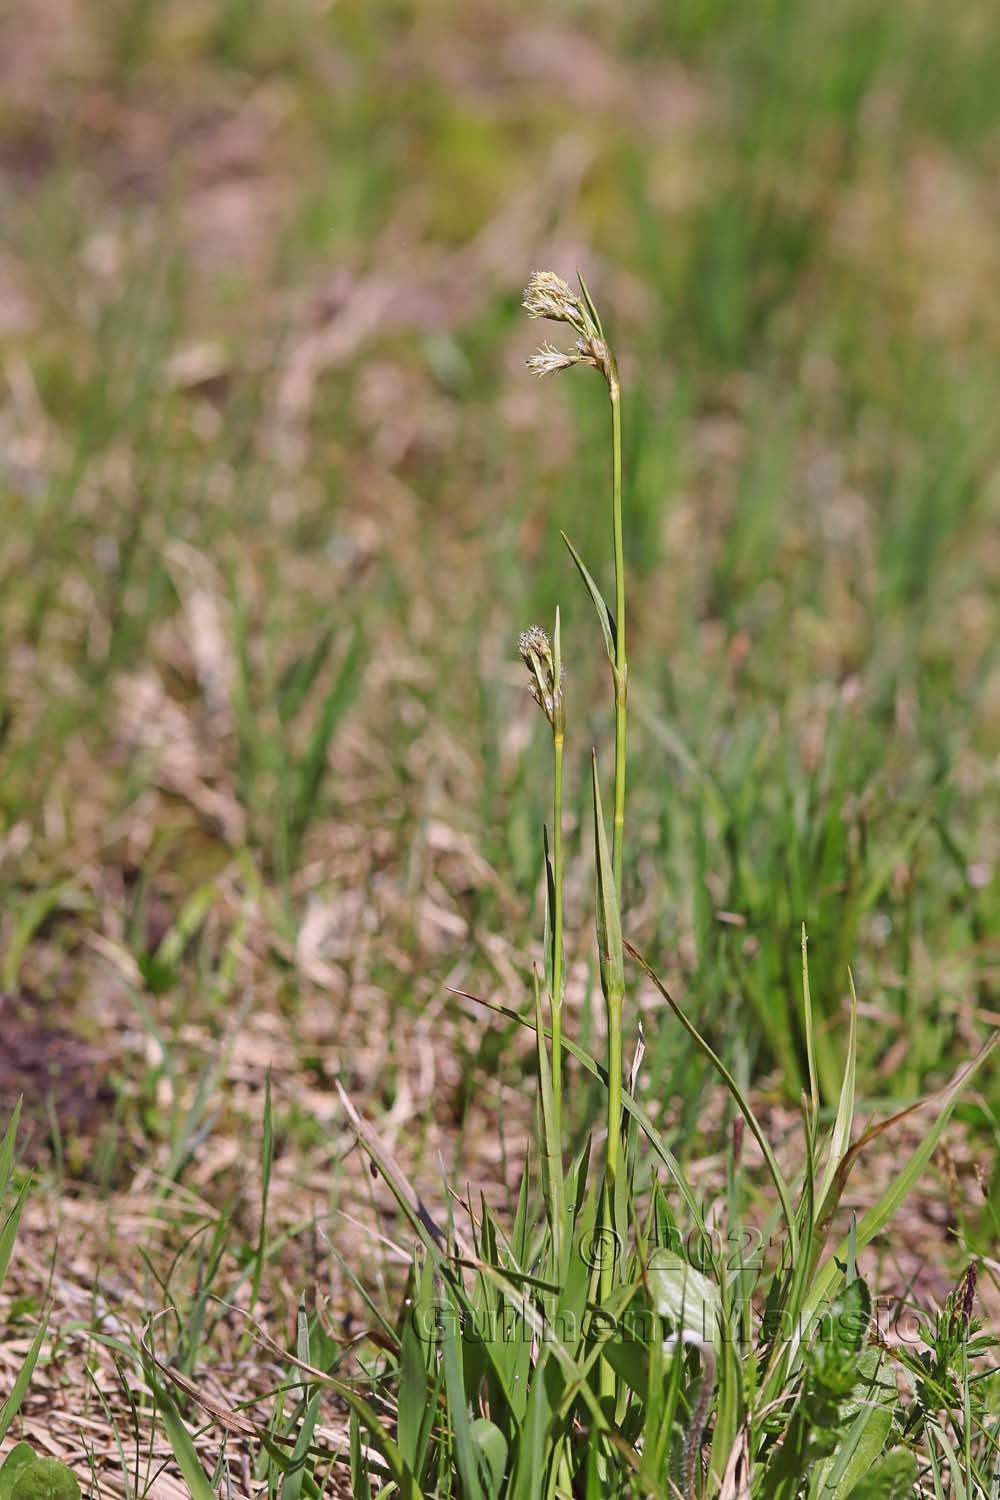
<point x="278" y="495"/>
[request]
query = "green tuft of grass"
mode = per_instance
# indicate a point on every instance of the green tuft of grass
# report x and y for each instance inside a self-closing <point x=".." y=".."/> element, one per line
<point x="604" y="1342"/>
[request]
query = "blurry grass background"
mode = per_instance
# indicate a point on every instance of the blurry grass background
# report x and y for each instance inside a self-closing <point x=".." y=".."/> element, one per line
<point x="277" y="495"/>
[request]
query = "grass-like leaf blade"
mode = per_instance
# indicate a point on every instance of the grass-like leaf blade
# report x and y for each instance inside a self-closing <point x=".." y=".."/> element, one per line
<point x="603" y="613"/>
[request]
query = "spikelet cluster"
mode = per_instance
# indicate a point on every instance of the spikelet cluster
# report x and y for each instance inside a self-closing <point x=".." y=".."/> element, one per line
<point x="536" y="653"/>
<point x="548" y="296"/>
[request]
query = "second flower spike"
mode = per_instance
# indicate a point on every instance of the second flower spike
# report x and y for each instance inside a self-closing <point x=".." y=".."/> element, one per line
<point x="545" y="671"/>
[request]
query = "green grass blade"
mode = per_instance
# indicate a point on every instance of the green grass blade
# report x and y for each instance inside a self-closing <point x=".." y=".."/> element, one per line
<point x="807" y="1012"/>
<point x="840" y="1136"/>
<point x="297" y="682"/>
<point x="777" y="1177"/>
<point x="611" y="952"/>
<point x="8" y="1234"/>
<point x="603" y="613"/>
<point x="180" y="1440"/>
<point x="360" y="1484"/>
<point x="7" y="1147"/>
<point x="634" y="1108"/>
<point x="310" y="773"/>
<point x="466" y="1452"/>
<point x="878" y="1216"/>
<point x="32" y="914"/>
<point x="589" y="301"/>
<point x="530" y="1471"/>
<point x="427" y="1230"/>
<point x="267" y="1160"/>
<point x="415" y="1397"/>
<point x="381" y="1440"/>
<point x="859" y="1450"/>
<point x="18" y="1391"/>
<point x="551" y="1152"/>
<point x="291" y="1487"/>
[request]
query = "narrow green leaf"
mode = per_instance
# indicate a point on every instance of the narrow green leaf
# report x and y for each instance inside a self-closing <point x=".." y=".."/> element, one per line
<point x="31" y="914"/>
<point x="548" y="936"/>
<point x="466" y="1451"/>
<point x="360" y="1484"/>
<point x="610" y="948"/>
<point x="632" y="1105"/>
<point x="291" y="1485"/>
<point x="415" y="1403"/>
<point x="267" y="1161"/>
<point x="551" y="1153"/>
<point x="840" y="1136"/>
<point x="875" y="1220"/>
<point x="181" y="1442"/>
<point x="302" y="1350"/>
<point x="189" y="920"/>
<point x="297" y="682"/>
<point x="336" y="703"/>
<point x="8" y="1234"/>
<point x="18" y="1391"/>
<point x="591" y="308"/>
<point x="7" y="1147"/>
<point x="520" y="1228"/>
<point x="807" y="1012"/>
<point x="603" y="613"/>
<point x="407" y="1485"/>
<point x="959" y="1489"/>
<point x="859" y="1450"/>
<point x="529" y="1475"/>
<point x="777" y="1177"/>
<point x="413" y="1207"/>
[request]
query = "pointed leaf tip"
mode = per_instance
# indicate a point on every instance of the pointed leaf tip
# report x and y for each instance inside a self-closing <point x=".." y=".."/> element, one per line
<point x="605" y="616"/>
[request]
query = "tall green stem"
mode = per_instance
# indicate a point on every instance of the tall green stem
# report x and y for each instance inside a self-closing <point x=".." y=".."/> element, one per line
<point x="621" y="659"/>
<point x="610" y="1247"/>
<point x="614" y="1118"/>
<point x="607" y="1378"/>
<point x="558" y="739"/>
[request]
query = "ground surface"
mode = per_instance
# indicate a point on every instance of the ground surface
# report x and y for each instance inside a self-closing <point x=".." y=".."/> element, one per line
<point x="271" y="458"/>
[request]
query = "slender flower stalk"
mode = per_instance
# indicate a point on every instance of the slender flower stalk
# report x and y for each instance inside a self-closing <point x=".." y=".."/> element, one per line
<point x="610" y="950"/>
<point x="544" y="663"/>
<point x="548" y="296"/>
<point x="621" y="659"/>
<point x="558" y="742"/>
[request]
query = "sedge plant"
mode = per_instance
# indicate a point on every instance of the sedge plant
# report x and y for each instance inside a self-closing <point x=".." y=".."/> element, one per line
<point x="549" y="297"/>
<point x="615" y="1346"/>
<point x="613" y="1339"/>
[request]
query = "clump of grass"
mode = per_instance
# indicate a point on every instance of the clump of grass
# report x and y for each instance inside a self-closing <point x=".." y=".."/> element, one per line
<point x="607" y="1341"/>
<point x="548" y="296"/>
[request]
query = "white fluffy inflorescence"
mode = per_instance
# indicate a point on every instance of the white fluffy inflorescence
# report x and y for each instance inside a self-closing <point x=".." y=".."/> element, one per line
<point x="549" y="361"/>
<point x="536" y="653"/>
<point x="548" y="296"/>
